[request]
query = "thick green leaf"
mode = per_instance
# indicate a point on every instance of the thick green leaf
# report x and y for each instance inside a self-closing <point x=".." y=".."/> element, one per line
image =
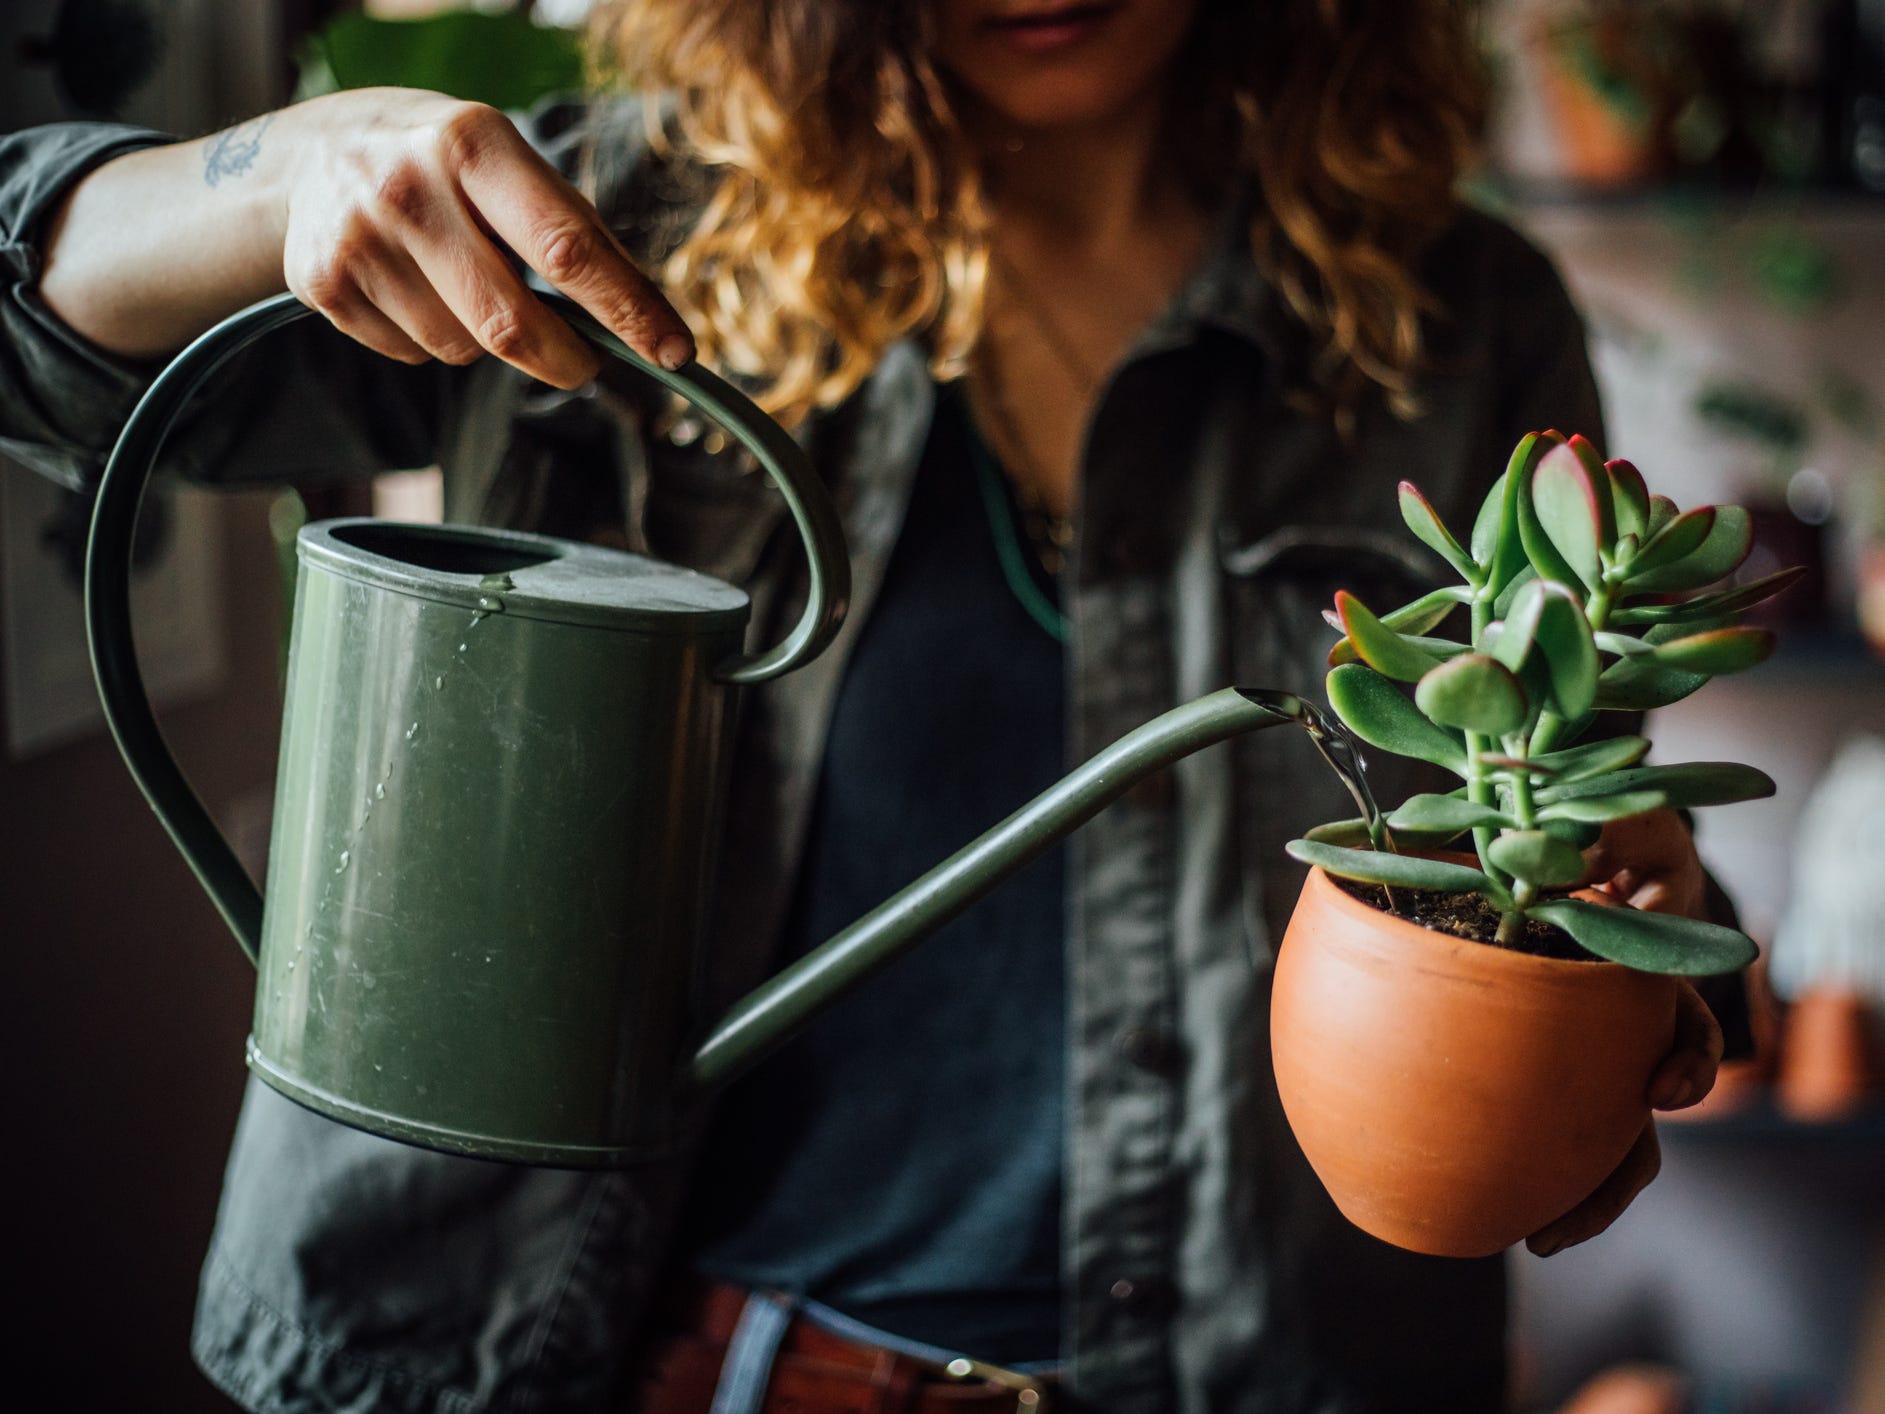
<point x="1719" y="650"/>
<point x="1619" y="643"/>
<point x="1502" y="606"/>
<point x="1639" y="685"/>
<point x="1413" y="619"/>
<point x="1379" y="646"/>
<point x="1630" y="498"/>
<point x="1408" y="871"/>
<point x="1513" y="763"/>
<point x="1496" y="542"/>
<point x="1538" y="857"/>
<point x="1709" y="606"/>
<point x="1650" y="942"/>
<point x="1543" y="556"/>
<point x="1572" y="500"/>
<point x="1662" y="510"/>
<point x="1730" y="537"/>
<point x="1576" y="763"/>
<point x="1445" y="812"/>
<point x="1599" y="809"/>
<point x="1576" y="833"/>
<point x="1354" y="832"/>
<point x="1687" y="784"/>
<point x="1476" y="694"/>
<point x="1375" y="711"/>
<point x="1431" y="531"/>
<point x="1441" y="648"/>
<point x="1549" y="617"/>
<point x="1676" y="541"/>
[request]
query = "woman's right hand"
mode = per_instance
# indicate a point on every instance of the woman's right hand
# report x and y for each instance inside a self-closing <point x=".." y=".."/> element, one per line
<point x="396" y="213"/>
<point x="397" y="219"/>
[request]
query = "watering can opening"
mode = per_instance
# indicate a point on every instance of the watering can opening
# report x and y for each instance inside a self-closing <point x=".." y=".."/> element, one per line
<point x="448" y="549"/>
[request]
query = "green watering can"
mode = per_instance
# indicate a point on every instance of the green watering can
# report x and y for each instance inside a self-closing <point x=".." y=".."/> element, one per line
<point x="502" y="773"/>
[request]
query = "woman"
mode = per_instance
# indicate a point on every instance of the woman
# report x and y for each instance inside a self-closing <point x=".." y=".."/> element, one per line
<point x="1171" y="293"/>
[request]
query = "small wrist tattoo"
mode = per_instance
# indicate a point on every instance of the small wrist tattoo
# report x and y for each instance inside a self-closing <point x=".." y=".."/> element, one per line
<point x="232" y="153"/>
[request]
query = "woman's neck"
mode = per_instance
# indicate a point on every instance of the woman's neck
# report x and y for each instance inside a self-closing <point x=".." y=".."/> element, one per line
<point x="1096" y="187"/>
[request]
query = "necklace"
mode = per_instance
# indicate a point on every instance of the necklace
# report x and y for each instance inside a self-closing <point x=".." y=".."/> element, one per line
<point x="1051" y="534"/>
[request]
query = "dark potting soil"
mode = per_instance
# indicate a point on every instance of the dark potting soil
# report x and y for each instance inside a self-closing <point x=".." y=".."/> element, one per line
<point x="1468" y="915"/>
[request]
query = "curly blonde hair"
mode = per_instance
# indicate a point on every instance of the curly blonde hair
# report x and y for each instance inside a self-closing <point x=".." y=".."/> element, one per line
<point x="844" y="210"/>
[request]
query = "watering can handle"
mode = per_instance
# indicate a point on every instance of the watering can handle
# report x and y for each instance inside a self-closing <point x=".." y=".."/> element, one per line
<point x="121" y="689"/>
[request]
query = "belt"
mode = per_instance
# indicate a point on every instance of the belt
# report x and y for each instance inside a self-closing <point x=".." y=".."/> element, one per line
<point x="811" y="1369"/>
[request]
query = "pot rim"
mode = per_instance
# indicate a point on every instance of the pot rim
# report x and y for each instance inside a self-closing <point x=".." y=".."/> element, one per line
<point x="1324" y="883"/>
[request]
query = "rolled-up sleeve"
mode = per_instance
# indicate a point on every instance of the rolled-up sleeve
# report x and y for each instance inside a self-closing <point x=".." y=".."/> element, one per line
<point x="61" y="399"/>
<point x="306" y="404"/>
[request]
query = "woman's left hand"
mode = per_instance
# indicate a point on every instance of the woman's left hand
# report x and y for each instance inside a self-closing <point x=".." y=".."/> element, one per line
<point x="1648" y="862"/>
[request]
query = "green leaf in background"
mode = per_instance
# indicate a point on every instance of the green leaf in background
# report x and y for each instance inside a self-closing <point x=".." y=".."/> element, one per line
<point x="1431" y="531"/>
<point x="1408" y="871"/>
<point x="1650" y="942"/>
<point x="1571" y="494"/>
<point x="1601" y="809"/>
<point x="1380" y="647"/>
<point x="1629" y="497"/>
<point x="1730" y="537"/>
<point x="1688" y="784"/>
<point x="1676" y="541"/>
<point x="1448" y="813"/>
<point x="504" y="59"/>
<point x="1715" y="651"/>
<point x="1538" y="857"/>
<point x="1374" y="709"/>
<point x="1593" y="758"/>
<point x="1475" y="693"/>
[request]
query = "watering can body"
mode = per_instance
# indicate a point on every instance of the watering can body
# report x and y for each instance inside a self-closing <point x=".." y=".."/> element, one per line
<point x="498" y="805"/>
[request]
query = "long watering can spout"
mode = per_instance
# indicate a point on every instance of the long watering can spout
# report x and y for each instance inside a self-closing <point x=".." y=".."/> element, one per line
<point x="773" y="1012"/>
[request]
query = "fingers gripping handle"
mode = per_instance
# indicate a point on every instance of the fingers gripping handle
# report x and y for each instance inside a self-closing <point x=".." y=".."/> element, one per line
<point x="121" y="688"/>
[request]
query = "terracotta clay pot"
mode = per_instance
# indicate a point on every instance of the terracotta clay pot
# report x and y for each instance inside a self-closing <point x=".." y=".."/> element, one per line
<point x="1455" y="1097"/>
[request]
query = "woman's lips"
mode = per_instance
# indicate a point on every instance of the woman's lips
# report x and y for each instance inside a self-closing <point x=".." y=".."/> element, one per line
<point x="1047" y="28"/>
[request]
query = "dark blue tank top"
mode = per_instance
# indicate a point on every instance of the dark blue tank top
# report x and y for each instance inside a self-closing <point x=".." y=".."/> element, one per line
<point x="901" y="1159"/>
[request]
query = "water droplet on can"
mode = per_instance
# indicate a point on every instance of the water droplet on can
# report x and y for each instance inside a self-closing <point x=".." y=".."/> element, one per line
<point x="412" y="731"/>
<point x="345" y="855"/>
<point x="438" y="682"/>
<point x="379" y="793"/>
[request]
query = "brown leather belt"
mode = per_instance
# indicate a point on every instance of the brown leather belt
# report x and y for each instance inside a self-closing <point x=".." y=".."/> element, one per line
<point x="818" y="1372"/>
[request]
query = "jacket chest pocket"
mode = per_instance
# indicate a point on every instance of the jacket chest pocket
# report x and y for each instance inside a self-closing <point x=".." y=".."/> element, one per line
<point x="1277" y="588"/>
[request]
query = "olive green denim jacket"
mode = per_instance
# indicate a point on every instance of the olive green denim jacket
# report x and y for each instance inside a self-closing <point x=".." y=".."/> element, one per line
<point x="1204" y="1268"/>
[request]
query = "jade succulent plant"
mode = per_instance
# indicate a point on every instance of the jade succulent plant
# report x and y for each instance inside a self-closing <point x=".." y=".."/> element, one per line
<point x="1584" y="595"/>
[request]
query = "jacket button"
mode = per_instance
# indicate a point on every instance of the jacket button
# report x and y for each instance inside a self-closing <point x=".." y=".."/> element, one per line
<point x="1149" y="1049"/>
<point x="1122" y="1290"/>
